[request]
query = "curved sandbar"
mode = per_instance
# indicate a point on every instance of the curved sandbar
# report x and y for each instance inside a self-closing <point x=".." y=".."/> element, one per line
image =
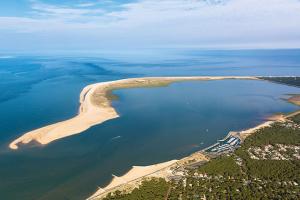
<point x="95" y="107"/>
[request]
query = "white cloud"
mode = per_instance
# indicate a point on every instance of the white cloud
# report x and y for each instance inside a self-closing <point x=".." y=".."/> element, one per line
<point x="86" y="4"/>
<point x="214" y="23"/>
<point x="63" y="12"/>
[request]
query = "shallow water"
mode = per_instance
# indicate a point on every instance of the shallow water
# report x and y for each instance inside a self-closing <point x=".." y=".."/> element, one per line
<point x="156" y="124"/>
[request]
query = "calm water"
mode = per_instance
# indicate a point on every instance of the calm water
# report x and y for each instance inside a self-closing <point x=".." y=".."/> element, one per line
<point x="156" y="124"/>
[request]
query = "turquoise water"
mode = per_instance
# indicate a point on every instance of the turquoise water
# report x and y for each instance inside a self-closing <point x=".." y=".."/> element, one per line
<point x="156" y="124"/>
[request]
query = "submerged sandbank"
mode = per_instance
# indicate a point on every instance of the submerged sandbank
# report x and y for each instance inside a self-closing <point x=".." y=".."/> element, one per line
<point x="95" y="107"/>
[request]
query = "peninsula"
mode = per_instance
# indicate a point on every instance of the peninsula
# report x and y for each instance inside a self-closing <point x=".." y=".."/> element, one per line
<point x="95" y="107"/>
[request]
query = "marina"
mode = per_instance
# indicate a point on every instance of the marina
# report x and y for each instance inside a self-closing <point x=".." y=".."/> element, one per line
<point x="229" y="143"/>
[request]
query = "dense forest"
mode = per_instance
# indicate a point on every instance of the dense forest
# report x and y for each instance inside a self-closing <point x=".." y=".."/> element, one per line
<point x="294" y="81"/>
<point x="237" y="175"/>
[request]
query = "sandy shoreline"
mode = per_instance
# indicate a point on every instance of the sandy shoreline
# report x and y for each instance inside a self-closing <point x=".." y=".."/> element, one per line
<point x="134" y="177"/>
<point x="95" y="107"/>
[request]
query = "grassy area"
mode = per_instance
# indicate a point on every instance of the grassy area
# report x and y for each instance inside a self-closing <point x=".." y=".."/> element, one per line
<point x="104" y="95"/>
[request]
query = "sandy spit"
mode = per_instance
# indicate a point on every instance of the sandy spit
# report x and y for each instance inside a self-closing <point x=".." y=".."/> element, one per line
<point x="95" y="107"/>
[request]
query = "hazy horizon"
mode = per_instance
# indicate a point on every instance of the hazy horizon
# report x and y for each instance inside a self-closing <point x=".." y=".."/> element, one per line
<point x="123" y="25"/>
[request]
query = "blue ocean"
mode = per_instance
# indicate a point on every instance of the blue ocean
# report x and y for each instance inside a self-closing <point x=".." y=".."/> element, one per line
<point x="156" y="124"/>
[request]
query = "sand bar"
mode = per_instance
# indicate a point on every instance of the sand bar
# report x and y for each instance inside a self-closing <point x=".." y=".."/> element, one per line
<point x="95" y="107"/>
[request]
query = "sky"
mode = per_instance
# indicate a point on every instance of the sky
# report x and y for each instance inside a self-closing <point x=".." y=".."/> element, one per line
<point x="91" y="25"/>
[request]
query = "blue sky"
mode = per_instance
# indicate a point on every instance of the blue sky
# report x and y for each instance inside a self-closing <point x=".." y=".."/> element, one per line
<point x="82" y="25"/>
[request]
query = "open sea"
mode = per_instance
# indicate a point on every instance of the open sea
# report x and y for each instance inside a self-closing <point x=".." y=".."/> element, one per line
<point x="156" y="124"/>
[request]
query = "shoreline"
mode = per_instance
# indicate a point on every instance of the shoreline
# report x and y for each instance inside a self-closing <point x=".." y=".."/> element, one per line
<point x="95" y="107"/>
<point x="126" y="183"/>
<point x="133" y="176"/>
<point x="294" y="98"/>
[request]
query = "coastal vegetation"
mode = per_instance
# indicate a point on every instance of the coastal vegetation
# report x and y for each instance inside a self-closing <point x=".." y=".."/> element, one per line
<point x="155" y="188"/>
<point x="266" y="166"/>
<point x="103" y="96"/>
<point x="293" y="81"/>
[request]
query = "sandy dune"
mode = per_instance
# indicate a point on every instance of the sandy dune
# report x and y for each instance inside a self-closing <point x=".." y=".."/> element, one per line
<point x="95" y="107"/>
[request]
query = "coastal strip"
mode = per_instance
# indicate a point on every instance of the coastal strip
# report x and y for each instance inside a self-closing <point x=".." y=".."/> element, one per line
<point x="170" y="169"/>
<point x="133" y="177"/>
<point x="95" y="107"/>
